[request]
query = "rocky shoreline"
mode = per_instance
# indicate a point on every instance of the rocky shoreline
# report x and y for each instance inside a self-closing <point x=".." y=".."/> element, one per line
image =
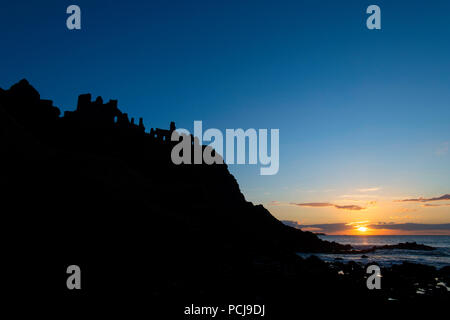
<point x="401" y="281"/>
<point x="401" y="246"/>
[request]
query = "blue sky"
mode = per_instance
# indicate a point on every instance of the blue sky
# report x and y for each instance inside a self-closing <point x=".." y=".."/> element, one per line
<point x="356" y="108"/>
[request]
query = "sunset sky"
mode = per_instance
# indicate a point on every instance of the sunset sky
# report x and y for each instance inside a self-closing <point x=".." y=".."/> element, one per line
<point x="364" y="115"/>
<point x="366" y="214"/>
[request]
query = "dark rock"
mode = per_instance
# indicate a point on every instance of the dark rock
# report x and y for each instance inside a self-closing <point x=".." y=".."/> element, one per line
<point x="407" y="246"/>
<point x="402" y="246"/>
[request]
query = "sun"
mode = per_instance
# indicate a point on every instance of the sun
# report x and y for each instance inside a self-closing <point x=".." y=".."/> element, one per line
<point x="362" y="229"/>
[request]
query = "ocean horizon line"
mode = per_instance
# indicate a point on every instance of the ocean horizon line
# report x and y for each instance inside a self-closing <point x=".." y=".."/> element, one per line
<point x="387" y="235"/>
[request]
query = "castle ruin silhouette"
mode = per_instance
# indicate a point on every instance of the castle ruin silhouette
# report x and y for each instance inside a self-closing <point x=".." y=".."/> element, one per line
<point x="107" y="115"/>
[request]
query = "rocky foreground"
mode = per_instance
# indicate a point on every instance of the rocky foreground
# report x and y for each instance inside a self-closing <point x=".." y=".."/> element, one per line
<point x="400" y="246"/>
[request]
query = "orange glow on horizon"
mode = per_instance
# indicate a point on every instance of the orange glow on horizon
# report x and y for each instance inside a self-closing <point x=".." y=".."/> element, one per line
<point x="386" y="232"/>
<point x="380" y="218"/>
<point x="362" y="229"/>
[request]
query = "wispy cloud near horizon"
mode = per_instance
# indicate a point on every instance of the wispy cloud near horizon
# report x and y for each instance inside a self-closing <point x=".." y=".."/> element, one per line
<point x="435" y="205"/>
<point x="421" y="199"/>
<point x="368" y="189"/>
<point x="328" y="204"/>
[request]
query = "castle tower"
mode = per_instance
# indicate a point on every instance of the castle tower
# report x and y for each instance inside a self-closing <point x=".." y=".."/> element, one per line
<point x="141" y="124"/>
<point x="84" y="100"/>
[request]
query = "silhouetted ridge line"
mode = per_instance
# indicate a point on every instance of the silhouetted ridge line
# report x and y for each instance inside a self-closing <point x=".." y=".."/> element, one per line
<point x="96" y="159"/>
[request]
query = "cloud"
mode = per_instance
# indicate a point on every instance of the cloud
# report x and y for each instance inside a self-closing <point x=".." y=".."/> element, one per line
<point x="385" y="223"/>
<point x="349" y="207"/>
<point x="291" y="223"/>
<point x="357" y="222"/>
<point x="357" y="196"/>
<point x="328" y="227"/>
<point x="368" y="189"/>
<point x="436" y="205"/>
<point x="444" y="197"/>
<point x="400" y="217"/>
<point x="311" y="229"/>
<point x="411" y="226"/>
<point x="313" y="204"/>
<point x="327" y="204"/>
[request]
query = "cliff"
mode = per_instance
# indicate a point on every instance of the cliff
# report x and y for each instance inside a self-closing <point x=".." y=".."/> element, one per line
<point x="96" y="168"/>
<point x="93" y="188"/>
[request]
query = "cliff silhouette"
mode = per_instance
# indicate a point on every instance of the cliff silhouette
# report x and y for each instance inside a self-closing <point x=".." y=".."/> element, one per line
<point x="96" y="166"/>
<point x="91" y="187"/>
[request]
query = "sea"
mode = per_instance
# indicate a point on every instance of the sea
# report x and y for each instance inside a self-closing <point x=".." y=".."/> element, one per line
<point x="438" y="258"/>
